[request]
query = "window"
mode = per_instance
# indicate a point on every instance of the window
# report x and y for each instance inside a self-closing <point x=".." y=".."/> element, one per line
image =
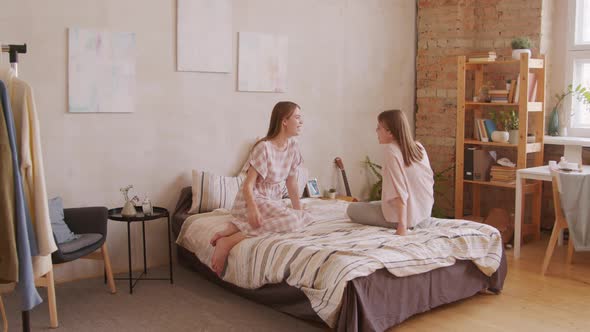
<point x="578" y="63"/>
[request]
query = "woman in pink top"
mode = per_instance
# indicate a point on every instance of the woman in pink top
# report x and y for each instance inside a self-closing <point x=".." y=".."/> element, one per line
<point x="408" y="181"/>
<point x="258" y="208"/>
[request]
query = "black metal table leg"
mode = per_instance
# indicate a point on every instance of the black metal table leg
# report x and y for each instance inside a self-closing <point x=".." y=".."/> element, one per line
<point x="26" y="321"/>
<point x="143" y="234"/>
<point x="129" y="253"/>
<point x="170" y="251"/>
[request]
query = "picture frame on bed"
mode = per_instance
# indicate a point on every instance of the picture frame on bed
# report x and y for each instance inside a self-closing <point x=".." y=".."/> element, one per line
<point x="313" y="188"/>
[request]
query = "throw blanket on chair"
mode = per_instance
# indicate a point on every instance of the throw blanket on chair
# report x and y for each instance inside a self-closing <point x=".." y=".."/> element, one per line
<point x="575" y="195"/>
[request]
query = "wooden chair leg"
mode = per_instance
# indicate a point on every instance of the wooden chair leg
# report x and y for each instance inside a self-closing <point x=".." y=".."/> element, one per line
<point x="108" y="269"/>
<point x="53" y="322"/>
<point x="536" y="214"/>
<point x="3" y="314"/>
<point x="550" y="247"/>
<point x="570" y="250"/>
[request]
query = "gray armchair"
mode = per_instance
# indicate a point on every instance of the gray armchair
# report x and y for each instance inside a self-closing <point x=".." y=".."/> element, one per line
<point x="90" y="223"/>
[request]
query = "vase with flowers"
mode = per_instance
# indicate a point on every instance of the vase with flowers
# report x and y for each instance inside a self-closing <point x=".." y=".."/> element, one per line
<point x="559" y="118"/>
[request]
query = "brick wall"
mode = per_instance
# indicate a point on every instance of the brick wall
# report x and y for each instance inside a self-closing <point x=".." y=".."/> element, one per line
<point x="446" y="29"/>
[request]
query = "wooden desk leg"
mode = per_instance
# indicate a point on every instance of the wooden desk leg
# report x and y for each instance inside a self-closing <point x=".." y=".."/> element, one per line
<point x="518" y="215"/>
<point x="536" y="213"/>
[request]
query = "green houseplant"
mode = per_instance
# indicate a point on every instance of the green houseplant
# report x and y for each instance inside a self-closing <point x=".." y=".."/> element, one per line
<point x="508" y="121"/>
<point x="440" y="189"/>
<point x="520" y="45"/>
<point x="559" y="118"/>
<point x="375" y="193"/>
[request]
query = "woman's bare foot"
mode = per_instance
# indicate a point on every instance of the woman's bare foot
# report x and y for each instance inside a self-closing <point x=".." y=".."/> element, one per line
<point x="222" y="249"/>
<point x="216" y="237"/>
<point x="220" y="255"/>
<point x="229" y="230"/>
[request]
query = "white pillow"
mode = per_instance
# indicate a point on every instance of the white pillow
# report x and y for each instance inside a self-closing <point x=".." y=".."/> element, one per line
<point x="212" y="191"/>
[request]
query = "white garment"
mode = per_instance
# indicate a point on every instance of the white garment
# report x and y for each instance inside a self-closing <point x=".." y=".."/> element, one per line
<point x="413" y="184"/>
<point x="31" y="165"/>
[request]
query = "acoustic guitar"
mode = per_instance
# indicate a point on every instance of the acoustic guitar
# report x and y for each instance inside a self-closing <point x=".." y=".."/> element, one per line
<point x="340" y="166"/>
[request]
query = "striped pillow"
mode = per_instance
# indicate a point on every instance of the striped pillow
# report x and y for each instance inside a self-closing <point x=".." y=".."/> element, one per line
<point x="212" y="192"/>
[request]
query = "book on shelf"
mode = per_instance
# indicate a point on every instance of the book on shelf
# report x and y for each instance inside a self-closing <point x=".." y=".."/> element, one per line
<point x="498" y="96"/>
<point x="532" y="93"/>
<point x="532" y="88"/>
<point x="481" y="130"/>
<point x="511" y="91"/>
<point x="490" y="126"/>
<point x="503" y="174"/>
<point x="482" y="57"/>
<point x="517" y="89"/>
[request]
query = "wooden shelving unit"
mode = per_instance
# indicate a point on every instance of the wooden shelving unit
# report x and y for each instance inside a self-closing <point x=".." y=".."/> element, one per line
<point x="529" y="113"/>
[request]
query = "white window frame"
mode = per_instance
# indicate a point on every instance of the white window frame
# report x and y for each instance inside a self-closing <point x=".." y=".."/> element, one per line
<point x="575" y="51"/>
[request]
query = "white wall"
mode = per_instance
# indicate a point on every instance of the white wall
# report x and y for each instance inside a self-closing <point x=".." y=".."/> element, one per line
<point x="348" y="60"/>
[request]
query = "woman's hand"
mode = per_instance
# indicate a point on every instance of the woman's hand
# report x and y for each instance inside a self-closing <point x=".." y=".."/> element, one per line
<point x="254" y="218"/>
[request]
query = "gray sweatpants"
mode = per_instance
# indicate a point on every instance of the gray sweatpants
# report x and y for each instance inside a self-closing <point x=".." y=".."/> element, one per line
<point x="368" y="214"/>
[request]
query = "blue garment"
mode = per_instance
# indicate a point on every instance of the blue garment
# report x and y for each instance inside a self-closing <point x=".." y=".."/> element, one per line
<point x="26" y="283"/>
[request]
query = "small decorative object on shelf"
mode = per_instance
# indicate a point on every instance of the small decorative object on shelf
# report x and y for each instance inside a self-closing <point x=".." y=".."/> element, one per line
<point x="500" y="136"/>
<point x="520" y="45"/>
<point x="147" y="207"/>
<point x="332" y="193"/>
<point x="128" y="208"/>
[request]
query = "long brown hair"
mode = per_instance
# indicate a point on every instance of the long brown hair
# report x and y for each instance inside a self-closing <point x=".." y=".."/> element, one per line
<point x="396" y="122"/>
<point x="282" y="110"/>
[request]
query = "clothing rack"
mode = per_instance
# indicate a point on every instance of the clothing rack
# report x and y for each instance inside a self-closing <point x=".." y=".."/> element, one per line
<point x="13" y="51"/>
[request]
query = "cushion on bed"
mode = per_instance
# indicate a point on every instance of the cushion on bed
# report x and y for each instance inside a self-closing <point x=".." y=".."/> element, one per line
<point x="212" y="191"/>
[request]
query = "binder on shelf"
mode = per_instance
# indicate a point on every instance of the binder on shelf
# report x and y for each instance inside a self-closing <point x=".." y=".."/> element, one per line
<point x="468" y="165"/>
<point x="477" y="164"/>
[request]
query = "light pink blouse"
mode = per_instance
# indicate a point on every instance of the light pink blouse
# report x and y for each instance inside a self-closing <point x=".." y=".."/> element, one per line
<point x="413" y="184"/>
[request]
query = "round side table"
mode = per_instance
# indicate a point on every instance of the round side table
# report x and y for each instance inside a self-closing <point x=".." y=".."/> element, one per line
<point x="159" y="213"/>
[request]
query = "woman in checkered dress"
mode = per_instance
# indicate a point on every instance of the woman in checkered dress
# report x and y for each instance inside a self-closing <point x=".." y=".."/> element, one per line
<point x="258" y="208"/>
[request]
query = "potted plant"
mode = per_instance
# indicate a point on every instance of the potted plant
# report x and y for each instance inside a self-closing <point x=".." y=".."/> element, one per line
<point x="332" y="193"/>
<point x="375" y="194"/>
<point x="559" y="119"/>
<point x="520" y="45"/>
<point x="441" y="188"/>
<point x="501" y="133"/>
<point x="510" y="123"/>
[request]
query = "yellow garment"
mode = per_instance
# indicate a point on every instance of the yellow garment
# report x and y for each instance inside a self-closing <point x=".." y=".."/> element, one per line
<point x="31" y="166"/>
<point x="8" y="253"/>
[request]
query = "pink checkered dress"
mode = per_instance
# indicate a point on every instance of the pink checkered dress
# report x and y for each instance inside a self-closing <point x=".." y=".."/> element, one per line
<point x="273" y="167"/>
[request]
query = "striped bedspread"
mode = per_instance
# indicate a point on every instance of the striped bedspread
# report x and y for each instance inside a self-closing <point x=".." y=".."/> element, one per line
<point x="332" y="250"/>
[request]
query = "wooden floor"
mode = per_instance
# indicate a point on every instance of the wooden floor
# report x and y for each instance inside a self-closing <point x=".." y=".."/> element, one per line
<point x="558" y="301"/>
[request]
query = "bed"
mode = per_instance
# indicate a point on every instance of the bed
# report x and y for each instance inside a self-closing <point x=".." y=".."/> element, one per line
<point x="372" y="298"/>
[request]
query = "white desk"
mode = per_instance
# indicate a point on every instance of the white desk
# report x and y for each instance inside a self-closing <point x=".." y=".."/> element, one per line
<point x="533" y="173"/>
<point x="572" y="146"/>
